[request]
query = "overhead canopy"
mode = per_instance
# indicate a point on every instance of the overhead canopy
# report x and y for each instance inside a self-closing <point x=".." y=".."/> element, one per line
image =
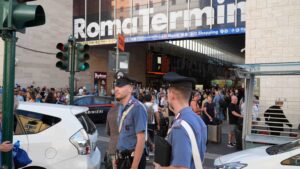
<point x="267" y="69"/>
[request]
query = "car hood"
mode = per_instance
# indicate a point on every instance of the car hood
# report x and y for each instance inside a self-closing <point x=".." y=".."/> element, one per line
<point x="243" y="156"/>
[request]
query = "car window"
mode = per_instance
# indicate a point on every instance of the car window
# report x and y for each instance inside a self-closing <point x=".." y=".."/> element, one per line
<point x="18" y="129"/>
<point x="282" y="148"/>
<point x="293" y="161"/>
<point x="87" y="123"/>
<point x="102" y="100"/>
<point x="83" y="101"/>
<point x="34" y="123"/>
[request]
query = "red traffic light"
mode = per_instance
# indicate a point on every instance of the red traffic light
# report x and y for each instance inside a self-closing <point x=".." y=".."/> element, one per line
<point x="62" y="47"/>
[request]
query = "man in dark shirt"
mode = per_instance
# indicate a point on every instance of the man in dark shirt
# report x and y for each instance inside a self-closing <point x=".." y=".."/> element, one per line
<point x="234" y="114"/>
<point x="275" y="118"/>
<point x="209" y="111"/>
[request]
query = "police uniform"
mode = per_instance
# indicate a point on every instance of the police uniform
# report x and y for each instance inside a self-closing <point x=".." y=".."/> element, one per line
<point x="178" y="136"/>
<point x="134" y="122"/>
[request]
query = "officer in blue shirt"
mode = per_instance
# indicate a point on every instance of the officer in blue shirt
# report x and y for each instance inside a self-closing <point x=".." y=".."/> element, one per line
<point x="179" y="92"/>
<point x="132" y="120"/>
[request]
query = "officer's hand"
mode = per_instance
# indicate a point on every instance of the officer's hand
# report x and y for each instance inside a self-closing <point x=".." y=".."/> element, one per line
<point x="6" y="146"/>
<point x="156" y="166"/>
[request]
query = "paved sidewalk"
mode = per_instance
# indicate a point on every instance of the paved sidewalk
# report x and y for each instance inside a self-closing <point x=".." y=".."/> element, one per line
<point x="213" y="150"/>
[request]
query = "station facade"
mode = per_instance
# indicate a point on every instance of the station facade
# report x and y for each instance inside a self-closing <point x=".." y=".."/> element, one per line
<point x="158" y="28"/>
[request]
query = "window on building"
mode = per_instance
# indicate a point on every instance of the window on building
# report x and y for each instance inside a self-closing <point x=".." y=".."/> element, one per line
<point x="173" y="2"/>
<point x="137" y="6"/>
<point x="163" y="2"/>
<point x="151" y="4"/>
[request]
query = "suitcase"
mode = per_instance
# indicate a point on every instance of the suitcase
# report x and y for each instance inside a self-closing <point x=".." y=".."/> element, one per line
<point x="239" y="140"/>
<point x="214" y="133"/>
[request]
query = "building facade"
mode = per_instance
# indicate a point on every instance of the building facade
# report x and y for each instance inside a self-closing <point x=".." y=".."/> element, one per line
<point x="272" y="35"/>
<point x="36" y="49"/>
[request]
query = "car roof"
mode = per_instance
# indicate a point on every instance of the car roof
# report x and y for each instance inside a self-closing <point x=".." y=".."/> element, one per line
<point x="107" y="97"/>
<point x="92" y="96"/>
<point x="52" y="108"/>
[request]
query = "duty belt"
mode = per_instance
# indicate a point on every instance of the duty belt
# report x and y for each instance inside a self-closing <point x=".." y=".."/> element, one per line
<point x="124" y="154"/>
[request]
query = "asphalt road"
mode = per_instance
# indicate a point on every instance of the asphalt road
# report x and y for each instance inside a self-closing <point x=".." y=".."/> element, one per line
<point x="213" y="150"/>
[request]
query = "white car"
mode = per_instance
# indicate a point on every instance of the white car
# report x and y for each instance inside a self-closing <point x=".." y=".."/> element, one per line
<point x="284" y="156"/>
<point x="57" y="136"/>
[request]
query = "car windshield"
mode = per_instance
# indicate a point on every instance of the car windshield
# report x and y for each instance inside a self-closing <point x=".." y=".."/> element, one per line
<point x="83" y="101"/>
<point x="282" y="148"/>
<point x="87" y="123"/>
<point x="102" y="100"/>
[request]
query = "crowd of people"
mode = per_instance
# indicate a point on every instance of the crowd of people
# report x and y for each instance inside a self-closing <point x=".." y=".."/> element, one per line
<point x="211" y="105"/>
<point x="46" y="95"/>
<point x="42" y="95"/>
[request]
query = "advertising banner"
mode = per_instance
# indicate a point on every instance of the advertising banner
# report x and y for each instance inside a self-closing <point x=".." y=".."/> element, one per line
<point x="100" y="83"/>
<point x="98" y="21"/>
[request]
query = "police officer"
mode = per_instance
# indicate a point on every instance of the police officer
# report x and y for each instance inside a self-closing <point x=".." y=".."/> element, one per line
<point x="178" y="93"/>
<point x="132" y="121"/>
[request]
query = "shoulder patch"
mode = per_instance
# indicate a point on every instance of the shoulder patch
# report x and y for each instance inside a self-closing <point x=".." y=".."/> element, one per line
<point x="177" y="123"/>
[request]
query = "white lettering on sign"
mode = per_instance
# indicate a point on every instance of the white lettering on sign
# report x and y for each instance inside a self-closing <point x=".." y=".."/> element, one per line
<point x="100" y="76"/>
<point x="159" y="21"/>
<point x="94" y="111"/>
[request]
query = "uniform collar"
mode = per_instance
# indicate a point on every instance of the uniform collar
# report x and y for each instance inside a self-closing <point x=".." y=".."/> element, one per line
<point x="182" y="111"/>
<point x="131" y="101"/>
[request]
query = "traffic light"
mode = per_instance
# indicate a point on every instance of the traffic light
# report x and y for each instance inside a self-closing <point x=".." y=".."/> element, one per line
<point x="81" y="57"/>
<point x="64" y="56"/>
<point x="17" y="15"/>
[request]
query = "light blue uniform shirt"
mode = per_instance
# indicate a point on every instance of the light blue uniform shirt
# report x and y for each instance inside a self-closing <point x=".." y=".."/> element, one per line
<point x="180" y="141"/>
<point x="135" y="122"/>
<point x="0" y="143"/>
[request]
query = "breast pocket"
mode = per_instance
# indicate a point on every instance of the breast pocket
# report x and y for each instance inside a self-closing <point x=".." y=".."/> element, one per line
<point x="128" y="124"/>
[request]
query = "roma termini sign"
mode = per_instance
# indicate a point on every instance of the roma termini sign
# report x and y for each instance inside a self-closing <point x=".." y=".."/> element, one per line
<point x="144" y="20"/>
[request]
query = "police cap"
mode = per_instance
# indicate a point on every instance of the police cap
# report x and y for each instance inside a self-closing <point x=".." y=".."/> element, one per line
<point x="123" y="79"/>
<point x="176" y="80"/>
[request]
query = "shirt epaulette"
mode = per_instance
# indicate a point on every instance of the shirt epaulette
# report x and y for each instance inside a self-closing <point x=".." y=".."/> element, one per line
<point x="177" y="123"/>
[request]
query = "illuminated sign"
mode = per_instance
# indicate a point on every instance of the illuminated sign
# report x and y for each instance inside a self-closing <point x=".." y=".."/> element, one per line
<point x="160" y="22"/>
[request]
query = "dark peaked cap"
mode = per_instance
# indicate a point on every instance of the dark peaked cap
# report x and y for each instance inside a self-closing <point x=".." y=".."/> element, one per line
<point x="174" y="79"/>
<point x="123" y="79"/>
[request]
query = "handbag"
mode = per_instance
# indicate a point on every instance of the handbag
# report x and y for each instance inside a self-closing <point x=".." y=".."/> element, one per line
<point x="20" y="156"/>
<point x="162" y="151"/>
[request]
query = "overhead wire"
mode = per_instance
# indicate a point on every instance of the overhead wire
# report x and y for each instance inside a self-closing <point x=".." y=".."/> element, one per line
<point x="36" y="51"/>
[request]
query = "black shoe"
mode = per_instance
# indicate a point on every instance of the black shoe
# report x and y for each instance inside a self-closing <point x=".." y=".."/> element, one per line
<point x="230" y="145"/>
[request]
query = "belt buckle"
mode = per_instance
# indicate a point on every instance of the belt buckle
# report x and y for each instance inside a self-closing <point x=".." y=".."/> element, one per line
<point x="119" y="155"/>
